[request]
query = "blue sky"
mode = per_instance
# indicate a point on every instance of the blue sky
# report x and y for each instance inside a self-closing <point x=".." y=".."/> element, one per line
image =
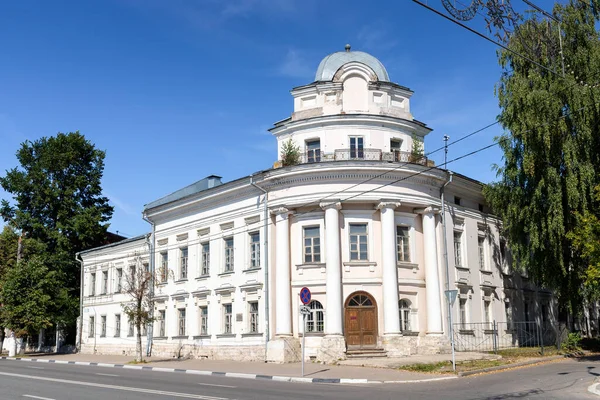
<point x="177" y="90"/>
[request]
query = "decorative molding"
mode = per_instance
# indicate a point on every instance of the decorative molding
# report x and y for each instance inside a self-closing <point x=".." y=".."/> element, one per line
<point x="201" y="293"/>
<point x="203" y="232"/>
<point x="162" y="242"/>
<point x="427" y="210"/>
<point x="393" y="204"/>
<point x="226" y="226"/>
<point x="251" y="286"/>
<point x="331" y="204"/>
<point x="252" y="220"/>
<point x="225" y="290"/>
<point x="281" y="211"/>
<point x="182" y="237"/>
<point x="180" y="295"/>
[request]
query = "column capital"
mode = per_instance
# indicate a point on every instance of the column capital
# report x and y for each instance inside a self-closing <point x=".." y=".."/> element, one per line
<point x="427" y="210"/>
<point x="388" y="204"/>
<point x="331" y="204"/>
<point x="281" y="211"/>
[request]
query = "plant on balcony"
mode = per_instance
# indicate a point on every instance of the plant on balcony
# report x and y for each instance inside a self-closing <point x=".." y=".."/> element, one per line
<point x="417" y="152"/>
<point x="290" y="153"/>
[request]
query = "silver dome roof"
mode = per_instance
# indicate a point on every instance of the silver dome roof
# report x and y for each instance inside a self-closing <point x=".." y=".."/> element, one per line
<point x="330" y="64"/>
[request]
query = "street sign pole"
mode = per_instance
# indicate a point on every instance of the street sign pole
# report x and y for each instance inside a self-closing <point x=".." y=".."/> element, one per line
<point x="305" y="297"/>
<point x="303" y="340"/>
<point x="451" y="298"/>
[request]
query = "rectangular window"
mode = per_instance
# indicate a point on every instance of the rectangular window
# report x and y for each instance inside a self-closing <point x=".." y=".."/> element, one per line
<point x="92" y="328"/>
<point x="487" y="311"/>
<point x="117" y="325"/>
<point x="509" y="315"/>
<point x="253" y="310"/>
<point x="228" y="254"/>
<point x="161" y="323"/>
<point x="458" y="249"/>
<point x="104" y="282"/>
<point x="205" y="259"/>
<point x="356" y="147"/>
<point x="312" y="244"/>
<point x="313" y="151"/>
<point x="457" y="200"/>
<point x="204" y="320"/>
<point x="462" y="304"/>
<point x="130" y="331"/>
<point x="395" y="146"/>
<point x="93" y="284"/>
<point x="403" y="243"/>
<point x="132" y="272"/>
<point x="358" y="242"/>
<point x="227" y="318"/>
<point x="103" y="326"/>
<point x="119" y="286"/>
<point x="481" y="247"/>
<point x="181" y="324"/>
<point x="254" y="250"/>
<point x="183" y="263"/>
<point x="164" y="266"/>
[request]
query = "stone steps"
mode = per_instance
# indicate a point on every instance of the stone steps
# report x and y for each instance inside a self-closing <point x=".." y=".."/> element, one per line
<point x="366" y="353"/>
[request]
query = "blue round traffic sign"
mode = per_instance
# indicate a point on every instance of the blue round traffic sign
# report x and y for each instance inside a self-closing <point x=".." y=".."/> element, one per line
<point x="305" y="295"/>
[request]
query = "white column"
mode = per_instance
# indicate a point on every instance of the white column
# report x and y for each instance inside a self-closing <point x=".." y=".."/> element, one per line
<point x="432" y="279"/>
<point x="283" y="299"/>
<point x="391" y="316"/>
<point x="334" y="307"/>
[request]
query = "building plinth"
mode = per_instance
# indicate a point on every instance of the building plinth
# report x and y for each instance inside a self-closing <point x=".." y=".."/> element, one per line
<point x="284" y="350"/>
<point x="333" y="348"/>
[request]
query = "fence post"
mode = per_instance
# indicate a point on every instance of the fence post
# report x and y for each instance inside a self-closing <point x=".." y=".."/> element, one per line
<point x="495" y="336"/>
<point x="542" y="331"/>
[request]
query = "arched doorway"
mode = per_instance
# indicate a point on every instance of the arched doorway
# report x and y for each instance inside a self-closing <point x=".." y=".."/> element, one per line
<point x="360" y="321"/>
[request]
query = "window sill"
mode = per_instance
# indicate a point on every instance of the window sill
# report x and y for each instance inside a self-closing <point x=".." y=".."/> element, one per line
<point x="130" y="335"/>
<point x="201" y="277"/>
<point x="181" y="281"/>
<point x="410" y="333"/>
<point x="313" y="334"/>
<point x="359" y="263"/>
<point x="253" y="269"/>
<point x="489" y="331"/>
<point x="407" y="265"/>
<point x="252" y="334"/>
<point x="180" y="337"/>
<point x="117" y="336"/>
<point x="311" y="265"/>
<point x="202" y="337"/>
<point x="225" y="335"/>
<point x="162" y="283"/>
<point x="226" y="273"/>
<point x="461" y="268"/>
<point x="486" y="271"/>
<point x="466" y="332"/>
<point x="102" y="336"/>
<point x="160" y="337"/>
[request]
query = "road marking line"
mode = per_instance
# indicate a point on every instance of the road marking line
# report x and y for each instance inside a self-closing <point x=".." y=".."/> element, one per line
<point x="36" y="367"/>
<point x="212" y="384"/>
<point x="37" y="397"/>
<point x="124" y="388"/>
<point x="98" y="373"/>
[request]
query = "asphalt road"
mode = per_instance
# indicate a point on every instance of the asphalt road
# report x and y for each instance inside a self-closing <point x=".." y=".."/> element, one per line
<point x="567" y="379"/>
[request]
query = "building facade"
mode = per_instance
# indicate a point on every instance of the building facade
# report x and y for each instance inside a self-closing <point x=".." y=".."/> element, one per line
<point x="357" y="220"/>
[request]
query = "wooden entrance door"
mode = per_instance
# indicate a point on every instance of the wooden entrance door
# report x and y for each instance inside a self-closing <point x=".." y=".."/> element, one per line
<point x="360" y="319"/>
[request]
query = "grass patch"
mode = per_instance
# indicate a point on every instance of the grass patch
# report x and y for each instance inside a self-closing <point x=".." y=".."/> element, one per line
<point x="134" y="362"/>
<point x="528" y="352"/>
<point x="432" y="367"/>
<point x="445" y="367"/>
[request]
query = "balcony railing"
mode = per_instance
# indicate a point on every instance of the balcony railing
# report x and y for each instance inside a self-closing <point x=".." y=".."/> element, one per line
<point x="314" y="156"/>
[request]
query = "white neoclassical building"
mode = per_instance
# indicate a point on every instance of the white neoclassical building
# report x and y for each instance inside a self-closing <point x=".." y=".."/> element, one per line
<point x="357" y="221"/>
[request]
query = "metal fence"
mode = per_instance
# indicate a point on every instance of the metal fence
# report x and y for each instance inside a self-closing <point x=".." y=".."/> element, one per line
<point x="492" y="336"/>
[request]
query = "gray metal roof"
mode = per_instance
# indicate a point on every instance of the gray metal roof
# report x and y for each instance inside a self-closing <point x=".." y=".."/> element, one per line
<point x="330" y="64"/>
<point x="206" y="183"/>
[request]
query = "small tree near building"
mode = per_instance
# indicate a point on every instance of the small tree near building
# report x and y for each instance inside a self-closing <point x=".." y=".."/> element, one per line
<point x="290" y="153"/>
<point x="138" y="285"/>
<point x="417" y="150"/>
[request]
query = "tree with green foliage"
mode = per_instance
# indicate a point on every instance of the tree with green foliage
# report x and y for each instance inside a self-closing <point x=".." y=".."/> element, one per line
<point x="57" y="200"/>
<point x="551" y="144"/>
<point x="8" y="258"/>
<point x="290" y="153"/>
<point x="417" y="150"/>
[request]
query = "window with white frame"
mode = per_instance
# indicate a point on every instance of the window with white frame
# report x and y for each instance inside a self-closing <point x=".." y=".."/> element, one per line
<point x="395" y="146"/>
<point x="481" y="250"/>
<point x="313" y="150"/>
<point x="132" y="271"/>
<point x="404" y="309"/>
<point x="93" y="284"/>
<point x="458" y="249"/>
<point x="119" y="285"/>
<point x="462" y="306"/>
<point x="357" y="147"/>
<point x="315" y="321"/>
<point x="312" y="244"/>
<point x="227" y="318"/>
<point x="164" y="266"/>
<point x="487" y="313"/>
<point x="103" y="326"/>
<point x="161" y="323"/>
<point x="509" y="314"/>
<point x="359" y="240"/>
<point x="253" y="316"/>
<point x="104" y="282"/>
<point x="203" y="320"/>
<point x="117" y="325"/>
<point x="254" y="250"/>
<point x="403" y="243"/>
<point x="131" y="327"/>
<point x="183" y="263"/>
<point x="205" y="259"/>
<point x="228" y="254"/>
<point x="181" y="322"/>
<point x="92" y="327"/>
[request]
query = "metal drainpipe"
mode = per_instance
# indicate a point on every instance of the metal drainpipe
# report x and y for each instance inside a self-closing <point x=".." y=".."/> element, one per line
<point x="450" y="174"/>
<point x="80" y="299"/>
<point x="149" y="333"/>
<point x="266" y="258"/>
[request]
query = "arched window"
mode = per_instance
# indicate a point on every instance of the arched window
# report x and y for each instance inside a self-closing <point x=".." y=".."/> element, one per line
<point x="404" y="306"/>
<point x="315" y="321"/>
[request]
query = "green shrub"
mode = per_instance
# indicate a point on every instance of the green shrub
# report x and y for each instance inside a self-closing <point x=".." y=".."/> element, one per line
<point x="572" y="343"/>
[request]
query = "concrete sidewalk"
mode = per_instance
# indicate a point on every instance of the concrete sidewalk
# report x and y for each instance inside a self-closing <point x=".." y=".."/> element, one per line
<point x="313" y="372"/>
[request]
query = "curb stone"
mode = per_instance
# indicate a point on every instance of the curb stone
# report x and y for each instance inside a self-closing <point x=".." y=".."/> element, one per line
<point x="593" y="388"/>
<point x="508" y="366"/>
<point x="276" y="378"/>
